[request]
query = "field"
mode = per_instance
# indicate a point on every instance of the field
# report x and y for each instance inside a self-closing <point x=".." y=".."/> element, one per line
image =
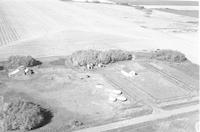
<point x="161" y="2"/>
<point x="79" y="98"/>
<point x="35" y="27"/>
<point x="180" y="7"/>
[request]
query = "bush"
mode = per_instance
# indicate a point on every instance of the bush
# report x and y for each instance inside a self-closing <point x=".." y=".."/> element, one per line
<point x="169" y="55"/>
<point x="84" y="57"/>
<point x="119" y="55"/>
<point x="24" y="115"/>
<point x="1" y="68"/>
<point x="16" y="61"/>
<point x="60" y="61"/>
<point x="104" y="58"/>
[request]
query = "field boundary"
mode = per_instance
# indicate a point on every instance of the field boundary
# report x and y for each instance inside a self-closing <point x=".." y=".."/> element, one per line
<point x="142" y="119"/>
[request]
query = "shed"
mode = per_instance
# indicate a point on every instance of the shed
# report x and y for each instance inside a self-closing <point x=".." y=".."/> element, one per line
<point x="126" y="71"/>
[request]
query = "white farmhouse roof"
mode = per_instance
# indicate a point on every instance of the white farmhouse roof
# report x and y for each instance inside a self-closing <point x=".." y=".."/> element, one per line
<point x="128" y="72"/>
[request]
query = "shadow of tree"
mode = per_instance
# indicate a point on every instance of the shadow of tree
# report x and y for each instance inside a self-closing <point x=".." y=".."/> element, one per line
<point x="47" y="117"/>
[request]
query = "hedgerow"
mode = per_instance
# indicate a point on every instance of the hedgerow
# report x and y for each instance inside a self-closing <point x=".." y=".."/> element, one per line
<point x="16" y="61"/>
<point x="169" y="55"/>
<point x="84" y="57"/>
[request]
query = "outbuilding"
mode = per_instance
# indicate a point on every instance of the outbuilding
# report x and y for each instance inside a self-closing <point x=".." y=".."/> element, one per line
<point x="128" y="72"/>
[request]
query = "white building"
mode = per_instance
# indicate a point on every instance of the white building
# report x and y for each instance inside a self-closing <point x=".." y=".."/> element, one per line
<point x="128" y="72"/>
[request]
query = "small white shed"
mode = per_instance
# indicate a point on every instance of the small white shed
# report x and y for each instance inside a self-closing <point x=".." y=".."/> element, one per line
<point x="128" y="72"/>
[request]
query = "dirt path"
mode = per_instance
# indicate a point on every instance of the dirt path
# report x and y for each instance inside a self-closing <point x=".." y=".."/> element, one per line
<point x="138" y="120"/>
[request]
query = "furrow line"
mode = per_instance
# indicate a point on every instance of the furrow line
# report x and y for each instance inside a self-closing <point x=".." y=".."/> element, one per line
<point x="170" y="78"/>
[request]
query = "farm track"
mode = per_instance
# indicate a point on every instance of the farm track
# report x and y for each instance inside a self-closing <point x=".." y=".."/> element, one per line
<point x="7" y="32"/>
<point x="142" y="119"/>
<point x="169" y="77"/>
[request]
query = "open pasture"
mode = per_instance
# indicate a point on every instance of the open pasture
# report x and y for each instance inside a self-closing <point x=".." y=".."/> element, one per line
<point x="158" y="87"/>
<point x="180" y="78"/>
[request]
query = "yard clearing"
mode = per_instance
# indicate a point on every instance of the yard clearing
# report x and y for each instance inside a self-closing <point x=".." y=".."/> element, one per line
<point x="71" y="95"/>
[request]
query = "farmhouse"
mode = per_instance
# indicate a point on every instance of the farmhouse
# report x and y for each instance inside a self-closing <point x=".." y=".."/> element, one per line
<point x="20" y="70"/>
<point x="128" y="72"/>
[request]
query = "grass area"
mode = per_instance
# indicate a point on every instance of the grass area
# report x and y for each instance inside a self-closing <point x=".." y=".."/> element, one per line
<point x="188" y="68"/>
<point x="60" y="61"/>
<point x="158" y="2"/>
<point x="191" y="13"/>
<point x="140" y="3"/>
<point x="162" y="55"/>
